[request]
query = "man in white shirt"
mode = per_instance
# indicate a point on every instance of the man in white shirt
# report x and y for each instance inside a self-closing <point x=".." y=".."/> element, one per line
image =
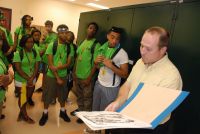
<point x="153" y="68"/>
<point x="113" y="63"/>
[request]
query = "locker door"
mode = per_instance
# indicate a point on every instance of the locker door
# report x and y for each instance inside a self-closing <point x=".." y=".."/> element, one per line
<point x="100" y="17"/>
<point x="122" y="18"/>
<point x="148" y="16"/>
<point x="185" y="53"/>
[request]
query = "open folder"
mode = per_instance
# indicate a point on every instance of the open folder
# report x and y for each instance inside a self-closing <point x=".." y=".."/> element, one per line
<point x="145" y="108"/>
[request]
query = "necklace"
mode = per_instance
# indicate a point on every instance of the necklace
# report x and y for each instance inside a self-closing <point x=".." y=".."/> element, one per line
<point x="30" y="59"/>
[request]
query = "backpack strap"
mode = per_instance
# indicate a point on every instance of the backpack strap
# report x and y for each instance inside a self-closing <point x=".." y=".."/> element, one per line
<point x="34" y="52"/>
<point x="55" y="45"/>
<point x="92" y="50"/>
<point x="21" y="54"/>
<point x="114" y="54"/>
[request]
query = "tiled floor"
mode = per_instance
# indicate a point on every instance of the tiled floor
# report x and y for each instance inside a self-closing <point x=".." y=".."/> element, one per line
<point x="55" y="125"/>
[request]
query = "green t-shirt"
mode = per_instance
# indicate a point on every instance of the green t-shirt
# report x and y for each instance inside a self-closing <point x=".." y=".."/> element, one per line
<point x="51" y="37"/>
<point x="83" y="63"/>
<point x="106" y="51"/>
<point x="3" y="57"/>
<point x="27" y="63"/>
<point x="8" y="36"/>
<point x="39" y="48"/>
<point x="3" y="70"/>
<point x="60" y="58"/>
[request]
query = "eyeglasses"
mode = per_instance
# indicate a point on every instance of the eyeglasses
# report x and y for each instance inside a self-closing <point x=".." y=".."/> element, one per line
<point x="63" y="29"/>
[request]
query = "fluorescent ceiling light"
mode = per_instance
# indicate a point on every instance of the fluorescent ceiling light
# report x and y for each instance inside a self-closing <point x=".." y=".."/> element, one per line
<point x="97" y="6"/>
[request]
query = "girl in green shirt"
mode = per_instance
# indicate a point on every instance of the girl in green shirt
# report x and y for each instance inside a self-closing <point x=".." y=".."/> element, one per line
<point x="26" y="63"/>
<point x="24" y="29"/>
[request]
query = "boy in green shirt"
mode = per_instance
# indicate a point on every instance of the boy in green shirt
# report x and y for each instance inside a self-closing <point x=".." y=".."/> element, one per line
<point x="48" y="38"/>
<point x="59" y="55"/>
<point x="84" y="69"/>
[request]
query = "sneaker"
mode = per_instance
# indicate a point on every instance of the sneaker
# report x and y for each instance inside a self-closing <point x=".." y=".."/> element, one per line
<point x="73" y="112"/>
<point x="64" y="116"/>
<point x="2" y="116"/>
<point x="43" y="119"/>
<point x="31" y="102"/>
<point x="79" y="121"/>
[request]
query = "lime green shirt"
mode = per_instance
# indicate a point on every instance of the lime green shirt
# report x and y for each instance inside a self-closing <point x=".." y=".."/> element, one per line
<point x="8" y="36"/>
<point x="106" y="50"/>
<point x="3" y="57"/>
<point x="83" y="63"/>
<point x="3" y="70"/>
<point x="39" y="48"/>
<point x="27" y="63"/>
<point x="51" y="37"/>
<point x="60" y="58"/>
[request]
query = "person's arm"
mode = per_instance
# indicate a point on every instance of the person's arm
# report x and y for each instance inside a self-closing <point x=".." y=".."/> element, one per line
<point x="99" y="59"/>
<point x="20" y="71"/>
<point x="30" y="81"/>
<point x="54" y="69"/>
<point x="121" y="98"/>
<point x="6" y="79"/>
<point x="65" y="65"/>
<point x="122" y="71"/>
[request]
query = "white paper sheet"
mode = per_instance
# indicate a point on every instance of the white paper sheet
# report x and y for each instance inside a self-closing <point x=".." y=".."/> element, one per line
<point x="105" y="120"/>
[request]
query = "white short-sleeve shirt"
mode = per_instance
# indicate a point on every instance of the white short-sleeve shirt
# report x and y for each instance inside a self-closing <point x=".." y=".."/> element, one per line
<point x="105" y="76"/>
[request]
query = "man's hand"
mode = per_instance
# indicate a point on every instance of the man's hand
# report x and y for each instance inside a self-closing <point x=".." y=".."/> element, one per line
<point x="53" y="68"/>
<point x="87" y="81"/>
<point x="99" y="59"/>
<point x="108" y="63"/>
<point x="113" y="106"/>
<point x="60" y="81"/>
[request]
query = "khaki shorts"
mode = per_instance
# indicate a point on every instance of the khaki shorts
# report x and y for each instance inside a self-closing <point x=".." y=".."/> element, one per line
<point x="52" y="90"/>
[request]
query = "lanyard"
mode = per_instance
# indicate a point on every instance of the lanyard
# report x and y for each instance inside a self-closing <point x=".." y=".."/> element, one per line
<point x="29" y="61"/>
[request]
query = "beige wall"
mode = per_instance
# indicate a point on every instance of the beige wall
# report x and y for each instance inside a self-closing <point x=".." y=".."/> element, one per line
<point x="58" y="11"/>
